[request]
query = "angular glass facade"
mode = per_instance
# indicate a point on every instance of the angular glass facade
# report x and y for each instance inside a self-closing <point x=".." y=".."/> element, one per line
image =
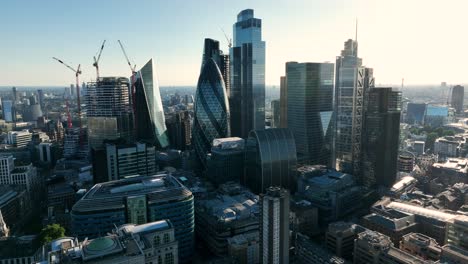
<point x="149" y="113"/>
<point x="270" y="159"/>
<point x="310" y="110"/>
<point x="247" y="96"/>
<point x="211" y="109"/>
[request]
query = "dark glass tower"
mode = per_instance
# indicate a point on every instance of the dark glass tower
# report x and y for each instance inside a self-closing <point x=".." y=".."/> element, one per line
<point x="247" y="96"/>
<point x="381" y="137"/>
<point x="458" y="92"/>
<point x="211" y="109"/>
<point x="149" y="113"/>
<point x="310" y="110"/>
<point x="211" y="50"/>
<point x="270" y="159"/>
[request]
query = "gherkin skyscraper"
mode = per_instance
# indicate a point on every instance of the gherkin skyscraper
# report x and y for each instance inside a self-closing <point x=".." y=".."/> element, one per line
<point x="211" y="110"/>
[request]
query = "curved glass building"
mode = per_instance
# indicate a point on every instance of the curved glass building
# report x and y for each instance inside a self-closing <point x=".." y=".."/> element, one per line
<point x="149" y="114"/>
<point x="211" y="110"/>
<point x="137" y="200"/>
<point x="270" y="159"/>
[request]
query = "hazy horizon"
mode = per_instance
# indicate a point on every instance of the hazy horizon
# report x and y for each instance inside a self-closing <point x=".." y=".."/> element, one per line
<point x="427" y="50"/>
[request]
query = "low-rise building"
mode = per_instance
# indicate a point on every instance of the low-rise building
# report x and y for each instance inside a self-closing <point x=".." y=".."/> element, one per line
<point x="245" y="248"/>
<point x="335" y="194"/>
<point x="453" y="255"/>
<point x="457" y="232"/>
<point x="137" y="244"/>
<point x="19" y="139"/>
<point x="453" y="171"/>
<point x="340" y="238"/>
<point x="393" y="224"/>
<point x="450" y="146"/>
<point x="422" y="246"/>
<point x="374" y="248"/>
<point x="231" y="210"/>
<point x="308" y="252"/>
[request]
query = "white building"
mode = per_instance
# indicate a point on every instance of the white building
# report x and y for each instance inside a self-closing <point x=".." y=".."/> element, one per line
<point x="21" y="175"/>
<point x="19" y="139"/>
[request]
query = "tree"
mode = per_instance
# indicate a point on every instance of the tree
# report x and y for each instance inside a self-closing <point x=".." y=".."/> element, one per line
<point x="430" y="139"/>
<point x="51" y="232"/>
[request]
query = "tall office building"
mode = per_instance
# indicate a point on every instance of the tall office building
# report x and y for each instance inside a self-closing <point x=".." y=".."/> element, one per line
<point x="270" y="160"/>
<point x="109" y="110"/>
<point x="381" y="137"/>
<point x="40" y="98"/>
<point x="149" y="113"/>
<point x="211" y="110"/>
<point x="275" y="114"/>
<point x="118" y="161"/>
<point x="247" y="96"/>
<point x="458" y="93"/>
<point x="179" y="130"/>
<point x="310" y="110"/>
<point x="15" y="95"/>
<point x="274" y="226"/>
<point x="352" y="81"/>
<point x="283" y="102"/>
<point x="137" y="200"/>
<point x="9" y="111"/>
<point x="211" y="51"/>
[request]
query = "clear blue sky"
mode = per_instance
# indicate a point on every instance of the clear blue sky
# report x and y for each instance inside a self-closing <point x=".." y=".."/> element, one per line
<point x="422" y="41"/>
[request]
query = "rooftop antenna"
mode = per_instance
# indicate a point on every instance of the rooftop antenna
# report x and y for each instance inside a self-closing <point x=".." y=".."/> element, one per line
<point x="355" y="37"/>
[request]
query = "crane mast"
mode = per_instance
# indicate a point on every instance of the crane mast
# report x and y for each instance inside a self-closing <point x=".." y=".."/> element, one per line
<point x="96" y="60"/>
<point x="132" y="86"/>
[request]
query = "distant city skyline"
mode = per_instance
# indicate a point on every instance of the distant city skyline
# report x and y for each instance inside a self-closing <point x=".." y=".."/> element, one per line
<point x="426" y="50"/>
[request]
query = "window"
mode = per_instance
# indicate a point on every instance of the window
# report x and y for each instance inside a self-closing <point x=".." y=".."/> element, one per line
<point x="157" y="240"/>
<point x="169" y="259"/>
<point x="166" y="238"/>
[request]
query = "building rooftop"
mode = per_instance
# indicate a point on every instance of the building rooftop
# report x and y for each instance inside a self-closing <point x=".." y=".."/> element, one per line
<point x="231" y="202"/>
<point x="413" y="209"/>
<point x="391" y="223"/>
<point x="229" y="143"/>
<point x="148" y="227"/>
<point x="456" y="164"/>
<point x="401" y="184"/>
<point x="108" y="195"/>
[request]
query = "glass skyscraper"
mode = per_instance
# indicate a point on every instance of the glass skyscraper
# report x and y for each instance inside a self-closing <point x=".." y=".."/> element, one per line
<point x="310" y="110"/>
<point x="270" y="159"/>
<point x="247" y="96"/>
<point x="352" y="81"/>
<point x="149" y="113"/>
<point x="381" y="137"/>
<point x="211" y="110"/>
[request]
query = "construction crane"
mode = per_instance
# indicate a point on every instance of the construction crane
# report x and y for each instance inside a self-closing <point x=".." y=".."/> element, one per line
<point x="77" y="72"/>
<point x="133" y="89"/>
<point x="228" y="39"/>
<point x="96" y="60"/>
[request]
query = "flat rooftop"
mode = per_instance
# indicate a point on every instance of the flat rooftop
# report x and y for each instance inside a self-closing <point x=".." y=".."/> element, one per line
<point x="456" y="164"/>
<point x="110" y="195"/>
